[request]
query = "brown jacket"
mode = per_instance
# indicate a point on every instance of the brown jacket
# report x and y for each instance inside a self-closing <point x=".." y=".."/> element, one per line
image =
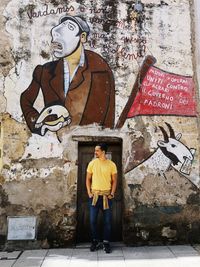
<point x="90" y="98"/>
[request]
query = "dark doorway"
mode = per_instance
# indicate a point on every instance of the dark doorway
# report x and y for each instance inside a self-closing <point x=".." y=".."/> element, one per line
<point x="85" y="155"/>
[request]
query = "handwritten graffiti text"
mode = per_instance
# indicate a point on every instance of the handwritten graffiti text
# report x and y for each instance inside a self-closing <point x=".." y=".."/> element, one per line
<point x="49" y="11"/>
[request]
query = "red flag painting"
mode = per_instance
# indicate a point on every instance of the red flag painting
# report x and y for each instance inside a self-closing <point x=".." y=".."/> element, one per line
<point x="164" y="93"/>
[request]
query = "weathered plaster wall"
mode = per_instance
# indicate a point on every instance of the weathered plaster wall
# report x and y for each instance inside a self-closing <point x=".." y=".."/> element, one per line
<point x="39" y="173"/>
<point x="197" y="35"/>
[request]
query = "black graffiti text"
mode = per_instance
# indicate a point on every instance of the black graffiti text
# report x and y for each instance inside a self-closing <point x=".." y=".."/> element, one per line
<point x="131" y="39"/>
<point x="96" y="20"/>
<point x="49" y="11"/>
<point x="96" y="10"/>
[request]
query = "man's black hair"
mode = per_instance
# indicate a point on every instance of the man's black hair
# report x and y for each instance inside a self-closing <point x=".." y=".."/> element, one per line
<point x="103" y="146"/>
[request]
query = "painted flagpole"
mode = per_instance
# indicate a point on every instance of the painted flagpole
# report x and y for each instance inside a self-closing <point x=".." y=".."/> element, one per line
<point x="147" y="63"/>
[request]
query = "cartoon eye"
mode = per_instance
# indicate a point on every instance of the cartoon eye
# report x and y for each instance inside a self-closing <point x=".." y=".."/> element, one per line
<point x="70" y="27"/>
<point x="172" y="145"/>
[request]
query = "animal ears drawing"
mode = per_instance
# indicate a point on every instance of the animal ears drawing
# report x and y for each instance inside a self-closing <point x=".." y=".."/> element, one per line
<point x="165" y="134"/>
<point x="174" y="149"/>
<point x="178" y="136"/>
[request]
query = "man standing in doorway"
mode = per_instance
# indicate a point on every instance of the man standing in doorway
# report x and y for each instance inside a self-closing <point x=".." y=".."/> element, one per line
<point x="101" y="183"/>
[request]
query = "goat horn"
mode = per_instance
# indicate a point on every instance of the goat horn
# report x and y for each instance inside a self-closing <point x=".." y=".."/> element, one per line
<point x="166" y="138"/>
<point x="172" y="134"/>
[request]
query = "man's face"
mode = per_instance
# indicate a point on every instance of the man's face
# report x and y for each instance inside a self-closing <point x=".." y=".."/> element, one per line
<point x="98" y="152"/>
<point x="64" y="38"/>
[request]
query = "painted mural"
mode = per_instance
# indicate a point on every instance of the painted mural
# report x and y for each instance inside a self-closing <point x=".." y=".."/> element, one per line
<point x="69" y="75"/>
<point x="78" y="88"/>
<point x="171" y="152"/>
<point x="157" y="92"/>
<point x="164" y="93"/>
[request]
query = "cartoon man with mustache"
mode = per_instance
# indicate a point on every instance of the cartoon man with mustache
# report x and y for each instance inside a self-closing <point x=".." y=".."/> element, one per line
<point x="78" y="88"/>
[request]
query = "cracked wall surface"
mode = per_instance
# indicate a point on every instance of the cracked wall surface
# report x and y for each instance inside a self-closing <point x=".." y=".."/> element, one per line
<point x="39" y="173"/>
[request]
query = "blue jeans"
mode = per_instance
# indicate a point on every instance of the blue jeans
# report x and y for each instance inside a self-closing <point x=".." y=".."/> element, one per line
<point x="107" y="219"/>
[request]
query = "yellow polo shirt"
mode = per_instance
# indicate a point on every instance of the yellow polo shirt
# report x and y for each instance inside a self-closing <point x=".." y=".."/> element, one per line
<point x="101" y="171"/>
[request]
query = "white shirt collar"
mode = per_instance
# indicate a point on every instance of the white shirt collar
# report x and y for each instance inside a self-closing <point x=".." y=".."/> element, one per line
<point x="67" y="78"/>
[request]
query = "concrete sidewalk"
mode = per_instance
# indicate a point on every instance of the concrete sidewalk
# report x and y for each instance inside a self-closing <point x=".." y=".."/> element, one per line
<point x="121" y="256"/>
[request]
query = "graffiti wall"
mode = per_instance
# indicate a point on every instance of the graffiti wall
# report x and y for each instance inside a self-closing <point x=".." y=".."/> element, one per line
<point x="99" y="69"/>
